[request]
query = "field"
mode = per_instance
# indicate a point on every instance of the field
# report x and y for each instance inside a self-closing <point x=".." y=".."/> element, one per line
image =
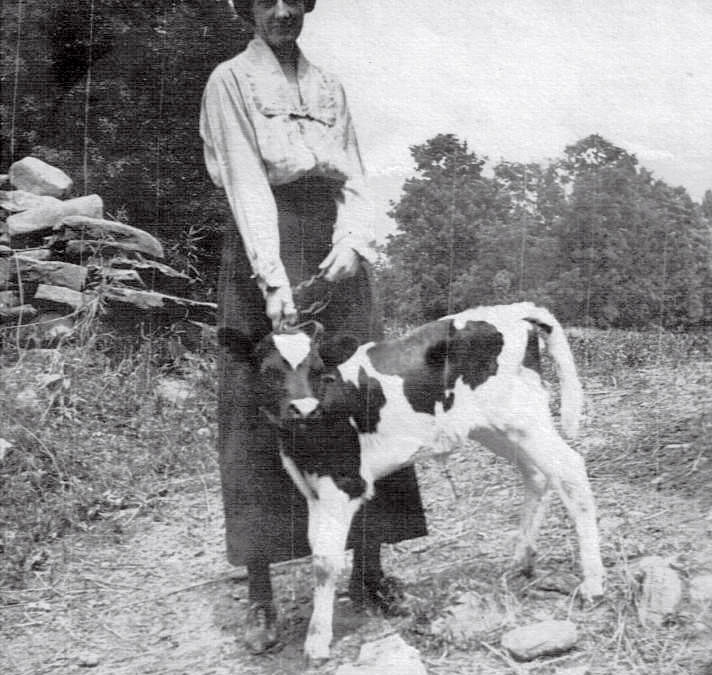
<point x="112" y="554"/>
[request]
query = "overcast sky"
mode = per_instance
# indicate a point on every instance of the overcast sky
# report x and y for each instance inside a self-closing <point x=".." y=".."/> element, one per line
<point x="521" y="79"/>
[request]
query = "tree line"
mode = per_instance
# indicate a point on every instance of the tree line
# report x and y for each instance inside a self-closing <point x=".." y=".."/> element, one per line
<point x="592" y="235"/>
<point x="109" y="91"/>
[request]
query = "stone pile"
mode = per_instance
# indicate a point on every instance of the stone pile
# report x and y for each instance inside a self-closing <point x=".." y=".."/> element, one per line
<point x="61" y="261"/>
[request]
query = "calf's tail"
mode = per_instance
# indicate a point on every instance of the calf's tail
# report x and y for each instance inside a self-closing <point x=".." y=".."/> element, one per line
<point x="558" y="347"/>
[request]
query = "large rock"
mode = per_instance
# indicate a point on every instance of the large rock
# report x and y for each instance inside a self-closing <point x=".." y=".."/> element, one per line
<point x="388" y="656"/>
<point x="19" y="200"/>
<point x="41" y="218"/>
<point x="58" y="295"/>
<point x="657" y="589"/>
<point x="34" y="175"/>
<point x="99" y="230"/>
<point x="52" y="272"/>
<point x="540" y="639"/>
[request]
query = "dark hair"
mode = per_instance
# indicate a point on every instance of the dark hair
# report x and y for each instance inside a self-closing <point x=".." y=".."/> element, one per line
<point x="244" y="8"/>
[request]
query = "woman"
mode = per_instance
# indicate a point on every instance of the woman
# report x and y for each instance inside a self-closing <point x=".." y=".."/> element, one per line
<point x="278" y="138"/>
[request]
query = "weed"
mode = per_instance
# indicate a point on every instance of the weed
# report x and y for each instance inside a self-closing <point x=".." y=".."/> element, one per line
<point x="88" y="437"/>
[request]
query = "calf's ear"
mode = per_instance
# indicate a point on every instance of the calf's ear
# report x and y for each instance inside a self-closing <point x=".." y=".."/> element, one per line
<point x="337" y="350"/>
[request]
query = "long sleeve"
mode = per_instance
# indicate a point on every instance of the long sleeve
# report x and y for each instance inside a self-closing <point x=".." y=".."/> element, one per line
<point x="234" y="163"/>
<point x="354" y="222"/>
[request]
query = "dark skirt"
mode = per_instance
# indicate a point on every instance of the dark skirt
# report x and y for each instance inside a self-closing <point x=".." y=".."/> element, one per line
<point x="265" y="516"/>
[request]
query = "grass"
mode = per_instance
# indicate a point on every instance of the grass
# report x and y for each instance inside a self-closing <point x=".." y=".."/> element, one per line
<point x="90" y="435"/>
<point x="92" y="438"/>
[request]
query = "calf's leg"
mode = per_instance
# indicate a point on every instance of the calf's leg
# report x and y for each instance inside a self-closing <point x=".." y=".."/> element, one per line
<point x="330" y="514"/>
<point x="536" y="499"/>
<point x="566" y="472"/>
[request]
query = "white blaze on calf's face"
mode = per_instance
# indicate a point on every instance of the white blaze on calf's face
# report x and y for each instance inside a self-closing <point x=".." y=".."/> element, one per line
<point x="305" y="406"/>
<point x="293" y="347"/>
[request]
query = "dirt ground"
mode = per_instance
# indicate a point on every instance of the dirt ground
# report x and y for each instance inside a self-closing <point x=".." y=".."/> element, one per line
<point x="149" y="591"/>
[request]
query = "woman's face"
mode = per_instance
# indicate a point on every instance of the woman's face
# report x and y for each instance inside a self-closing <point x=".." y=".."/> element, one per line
<point x="278" y="22"/>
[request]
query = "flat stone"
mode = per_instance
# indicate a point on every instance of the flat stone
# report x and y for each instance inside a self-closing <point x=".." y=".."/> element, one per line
<point x="20" y="200"/>
<point x="55" y="272"/>
<point x="62" y="296"/>
<point x="42" y="218"/>
<point x="387" y="655"/>
<point x="98" y="229"/>
<point x="34" y="175"/>
<point x="540" y="639"/>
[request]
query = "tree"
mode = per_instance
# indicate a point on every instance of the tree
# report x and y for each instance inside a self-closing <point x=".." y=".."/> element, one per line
<point x="592" y="235"/>
<point x="440" y="219"/>
<point x="110" y="91"/>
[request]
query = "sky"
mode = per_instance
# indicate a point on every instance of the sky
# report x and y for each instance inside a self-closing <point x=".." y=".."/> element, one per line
<point x="522" y="79"/>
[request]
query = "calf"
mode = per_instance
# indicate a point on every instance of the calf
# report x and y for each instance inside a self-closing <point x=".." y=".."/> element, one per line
<point x="473" y="375"/>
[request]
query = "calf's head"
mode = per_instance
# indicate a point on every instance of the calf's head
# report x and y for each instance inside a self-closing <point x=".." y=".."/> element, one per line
<point x="295" y="372"/>
<point x="289" y="367"/>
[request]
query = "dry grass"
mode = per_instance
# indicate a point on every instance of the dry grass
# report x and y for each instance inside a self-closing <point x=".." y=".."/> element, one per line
<point x="112" y="507"/>
<point x="90" y="436"/>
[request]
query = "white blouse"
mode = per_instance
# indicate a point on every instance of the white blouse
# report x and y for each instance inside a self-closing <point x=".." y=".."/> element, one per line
<point x="258" y="131"/>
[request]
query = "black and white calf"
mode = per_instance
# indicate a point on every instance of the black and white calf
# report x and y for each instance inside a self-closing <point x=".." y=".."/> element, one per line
<point x="473" y="375"/>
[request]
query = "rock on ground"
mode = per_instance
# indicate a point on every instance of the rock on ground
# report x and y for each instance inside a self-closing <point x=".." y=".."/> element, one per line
<point x="34" y="175"/>
<point x="540" y="639"/>
<point x="388" y="656"/>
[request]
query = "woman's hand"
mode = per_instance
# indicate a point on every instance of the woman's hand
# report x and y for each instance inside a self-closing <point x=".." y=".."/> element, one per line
<point x="341" y="263"/>
<point x="279" y="306"/>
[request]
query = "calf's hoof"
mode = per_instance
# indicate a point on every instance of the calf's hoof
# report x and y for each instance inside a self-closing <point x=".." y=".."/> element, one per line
<point x="316" y="647"/>
<point x="260" y="627"/>
<point x="387" y="595"/>
<point x="591" y="589"/>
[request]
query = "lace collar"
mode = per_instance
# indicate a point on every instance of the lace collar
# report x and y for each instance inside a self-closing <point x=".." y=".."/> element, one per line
<point x="272" y="93"/>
